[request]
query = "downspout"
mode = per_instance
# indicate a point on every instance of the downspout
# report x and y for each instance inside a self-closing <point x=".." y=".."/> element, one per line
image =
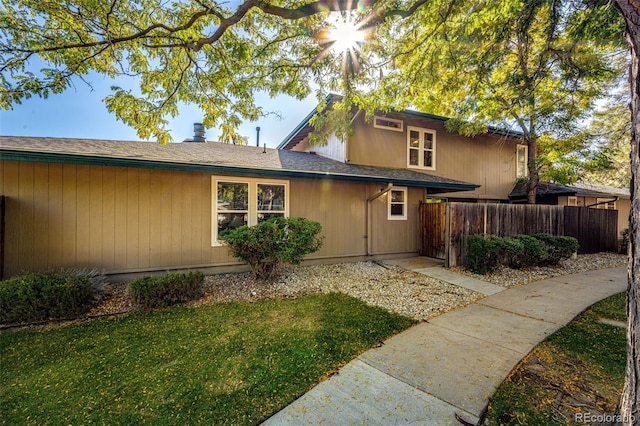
<point x="369" y="227"/>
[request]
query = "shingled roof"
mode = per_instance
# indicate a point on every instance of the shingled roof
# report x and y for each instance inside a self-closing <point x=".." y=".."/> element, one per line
<point x="215" y="158"/>
<point x="303" y="129"/>
<point x="548" y="190"/>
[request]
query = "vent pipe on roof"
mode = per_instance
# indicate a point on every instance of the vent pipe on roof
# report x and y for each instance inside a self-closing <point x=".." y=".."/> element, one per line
<point x="198" y="133"/>
<point x="257" y="136"/>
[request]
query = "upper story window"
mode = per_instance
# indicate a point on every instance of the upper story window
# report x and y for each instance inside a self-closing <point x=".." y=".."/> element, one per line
<point x="421" y="148"/>
<point x="238" y="203"/>
<point x="522" y="154"/>
<point x="388" y="124"/>
<point x="397" y="205"/>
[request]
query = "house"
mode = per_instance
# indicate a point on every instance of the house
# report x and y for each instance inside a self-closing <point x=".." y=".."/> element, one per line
<point x="420" y="142"/>
<point x="581" y="195"/>
<point x="139" y="207"/>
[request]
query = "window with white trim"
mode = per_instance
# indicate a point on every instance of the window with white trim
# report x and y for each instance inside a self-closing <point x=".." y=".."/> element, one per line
<point x="271" y="201"/>
<point x="388" y="124"/>
<point x="421" y="148"/>
<point x="522" y="154"/>
<point x="607" y="203"/>
<point x="572" y="200"/>
<point x="397" y="204"/>
<point x="246" y="202"/>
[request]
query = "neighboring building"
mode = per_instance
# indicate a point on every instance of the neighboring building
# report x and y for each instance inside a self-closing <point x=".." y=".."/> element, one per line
<point x="420" y="142"/>
<point x="580" y="195"/>
<point x="136" y="207"/>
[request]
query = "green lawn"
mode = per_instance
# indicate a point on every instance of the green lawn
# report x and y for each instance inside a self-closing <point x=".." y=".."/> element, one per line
<point x="577" y="369"/>
<point x="219" y="364"/>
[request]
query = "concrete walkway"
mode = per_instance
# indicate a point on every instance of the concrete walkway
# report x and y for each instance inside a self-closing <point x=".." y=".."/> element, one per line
<point x="453" y="363"/>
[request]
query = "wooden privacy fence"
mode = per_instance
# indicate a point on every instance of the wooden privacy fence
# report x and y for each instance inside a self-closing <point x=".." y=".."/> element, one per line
<point x="444" y="226"/>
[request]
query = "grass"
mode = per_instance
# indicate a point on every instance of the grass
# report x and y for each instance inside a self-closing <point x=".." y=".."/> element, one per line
<point x="234" y="363"/>
<point x="578" y="369"/>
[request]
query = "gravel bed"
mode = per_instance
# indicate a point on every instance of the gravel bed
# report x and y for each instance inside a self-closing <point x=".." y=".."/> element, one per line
<point x="396" y="289"/>
<point x="393" y="288"/>
<point x="506" y="277"/>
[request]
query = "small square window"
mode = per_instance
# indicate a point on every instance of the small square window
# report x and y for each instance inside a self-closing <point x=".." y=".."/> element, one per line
<point x="397" y="204"/>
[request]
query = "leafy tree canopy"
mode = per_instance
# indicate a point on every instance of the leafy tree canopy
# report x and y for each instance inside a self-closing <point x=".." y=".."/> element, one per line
<point x="491" y="62"/>
<point x="611" y="129"/>
<point x="216" y="55"/>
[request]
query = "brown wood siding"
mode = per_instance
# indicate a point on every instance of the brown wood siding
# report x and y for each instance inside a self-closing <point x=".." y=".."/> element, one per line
<point x="116" y="219"/>
<point x="395" y="236"/>
<point x="339" y="207"/>
<point x="483" y="160"/>
<point x="124" y="220"/>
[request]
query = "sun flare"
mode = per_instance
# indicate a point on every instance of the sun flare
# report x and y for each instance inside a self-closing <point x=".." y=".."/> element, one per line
<point x="344" y="34"/>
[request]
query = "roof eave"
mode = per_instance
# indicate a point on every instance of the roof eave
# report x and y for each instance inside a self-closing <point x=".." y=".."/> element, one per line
<point x="94" y="160"/>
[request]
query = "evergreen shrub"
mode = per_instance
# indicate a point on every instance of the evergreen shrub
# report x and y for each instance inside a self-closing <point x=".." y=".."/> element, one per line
<point x="166" y="290"/>
<point x="43" y="296"/>
<point x="272" y="243"/>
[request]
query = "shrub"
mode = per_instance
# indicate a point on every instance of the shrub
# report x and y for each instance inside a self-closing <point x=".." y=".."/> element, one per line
<point x="512" y="252"/>
<point x="42" y="296"/>
<point x="151" y="292"/>
<point x="533" y="252"/>
<point x="484" y="253"/>
<point x="558" y="248"/>
<point x="268" y="245"/>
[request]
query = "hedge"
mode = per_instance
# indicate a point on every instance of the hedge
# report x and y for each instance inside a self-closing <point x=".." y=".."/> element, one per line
<point x="166" y="290"/>
<point x="43" y="296"/>
<point x="486" y="253"/>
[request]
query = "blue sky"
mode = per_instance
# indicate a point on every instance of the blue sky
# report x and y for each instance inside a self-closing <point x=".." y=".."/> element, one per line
<point x="80" y="113"/>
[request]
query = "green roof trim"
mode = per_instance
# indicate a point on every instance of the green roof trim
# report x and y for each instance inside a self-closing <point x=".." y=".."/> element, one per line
<point x="96" y="160"/>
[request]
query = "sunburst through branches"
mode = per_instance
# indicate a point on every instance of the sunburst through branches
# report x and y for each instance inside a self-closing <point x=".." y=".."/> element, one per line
<point x="343" y="36"/>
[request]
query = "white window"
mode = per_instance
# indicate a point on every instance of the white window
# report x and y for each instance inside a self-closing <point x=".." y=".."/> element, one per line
<point x="421" y="148"/>
<point x="397" y="207"/>
<point x="388" y="124"/>
<point x="238" y="203"/>
<point x="522" y="154"/>
<point x="572" y="200"/>
<point x="605" y="203"/>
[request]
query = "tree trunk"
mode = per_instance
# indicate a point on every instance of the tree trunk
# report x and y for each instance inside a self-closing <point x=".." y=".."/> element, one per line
<point x="630" y="399"/>
<point x="534" y="177"/>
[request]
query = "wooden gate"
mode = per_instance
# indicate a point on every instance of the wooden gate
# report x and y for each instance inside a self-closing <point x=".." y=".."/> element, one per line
<point x="433" y="229"/>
